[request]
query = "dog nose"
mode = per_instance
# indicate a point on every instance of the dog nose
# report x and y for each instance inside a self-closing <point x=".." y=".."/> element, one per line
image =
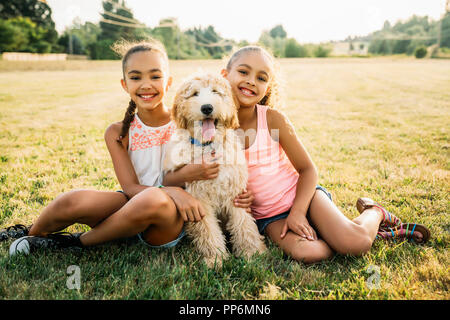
<point x="207" y="109"/>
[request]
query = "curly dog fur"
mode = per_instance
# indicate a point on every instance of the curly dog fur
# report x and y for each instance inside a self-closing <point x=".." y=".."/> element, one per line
<point x="207" y="99"/>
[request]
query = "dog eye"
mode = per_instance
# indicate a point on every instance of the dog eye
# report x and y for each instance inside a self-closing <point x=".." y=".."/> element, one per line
<point x="216" y="92"/>
<point x="195" y="94"/>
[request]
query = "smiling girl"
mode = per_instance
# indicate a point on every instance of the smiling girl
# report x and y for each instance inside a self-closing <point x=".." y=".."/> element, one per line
<point x="289" y="206"/>
<point x="136" y="145"/>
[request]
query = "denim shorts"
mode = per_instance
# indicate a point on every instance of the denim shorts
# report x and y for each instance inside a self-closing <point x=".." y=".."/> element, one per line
<point x="263" y="223"/>
<point x="167" y="245"/>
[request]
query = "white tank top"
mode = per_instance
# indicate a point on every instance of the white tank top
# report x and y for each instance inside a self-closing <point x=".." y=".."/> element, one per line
<point x="146" y="148"/>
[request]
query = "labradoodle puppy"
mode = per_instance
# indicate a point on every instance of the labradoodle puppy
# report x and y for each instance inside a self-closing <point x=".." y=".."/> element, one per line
<point x="206" y="116"/>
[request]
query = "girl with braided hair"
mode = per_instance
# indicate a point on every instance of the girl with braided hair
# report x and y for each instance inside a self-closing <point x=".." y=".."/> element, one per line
<point x="136" y="145"/>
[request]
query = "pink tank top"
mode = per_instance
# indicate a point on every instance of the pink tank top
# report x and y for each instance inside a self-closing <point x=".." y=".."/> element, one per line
<point x="272" y="178"/>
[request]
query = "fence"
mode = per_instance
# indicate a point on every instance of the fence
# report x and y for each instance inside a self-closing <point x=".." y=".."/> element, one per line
<point x="25" y="56"/>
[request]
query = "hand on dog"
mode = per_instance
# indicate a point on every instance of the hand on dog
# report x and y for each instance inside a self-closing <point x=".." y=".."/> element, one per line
<point x="244" y="200"/>
<point x="203" y="169"/>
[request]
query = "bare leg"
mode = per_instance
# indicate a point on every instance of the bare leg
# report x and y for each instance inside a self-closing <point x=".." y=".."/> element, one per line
<point x="345" y="236"/>
<point x="296" y="247"/>
<point x="340" y="233"/>
<point x="152" y="211"/>
<point x="370" y="220"/>
<point x="78" y="206"/>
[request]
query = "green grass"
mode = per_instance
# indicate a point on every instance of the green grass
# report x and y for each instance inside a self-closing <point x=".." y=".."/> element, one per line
<point x="375" y="127"/>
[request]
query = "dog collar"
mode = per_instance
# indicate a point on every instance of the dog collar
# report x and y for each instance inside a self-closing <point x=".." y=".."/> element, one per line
<point x="198" y="143"/>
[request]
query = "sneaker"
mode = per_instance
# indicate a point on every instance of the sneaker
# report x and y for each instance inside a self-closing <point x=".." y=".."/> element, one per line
<point x="60" y="240"/>
<point x="14" y="232"/>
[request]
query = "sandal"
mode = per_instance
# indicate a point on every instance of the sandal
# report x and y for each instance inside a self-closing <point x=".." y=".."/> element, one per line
<point x="405" y="230"/>
<point x="389" y="220"/>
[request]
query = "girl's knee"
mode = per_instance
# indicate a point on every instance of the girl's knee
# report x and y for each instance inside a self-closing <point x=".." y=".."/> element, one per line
<point x="355" y="245"/>
<point x="155" y="200"/>
<point x="153" y="205"/>
<point x="68" y="202"/>
<point x="312" y="252"/>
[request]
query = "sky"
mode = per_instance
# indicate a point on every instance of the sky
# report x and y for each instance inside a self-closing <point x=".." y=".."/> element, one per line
<point x="308" y="21"/>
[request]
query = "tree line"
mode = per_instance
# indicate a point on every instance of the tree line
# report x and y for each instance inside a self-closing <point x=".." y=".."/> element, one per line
<point x="27" y="26"/>
<point x="409" y="37"/>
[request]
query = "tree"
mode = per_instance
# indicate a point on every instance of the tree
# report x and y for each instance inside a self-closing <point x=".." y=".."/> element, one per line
<point x="445" y="31"/>
<point x="23" y="35"/>
<point x="321" y="51"/>
<point x="210" y="41"/>
<point x="81" y="35"/>
<point x="113" y="11"/>
<point x="293" y="49"/>
<point x="39" y="13"/>
<point x="117" y="23"/>
<point x="266" y="40"/>
<point x="420" y="52"/>
<point x="12" y="37"/>
<point x="168" y="33"/>
<point x="404" y="36"/>
<point x="278" y="32"/>
<point x="77" y="45"/>
<point x="400" y="46"/>
<point x="278" y="47"/>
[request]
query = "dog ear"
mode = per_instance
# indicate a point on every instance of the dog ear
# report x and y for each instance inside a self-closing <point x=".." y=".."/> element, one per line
<point x="233" y="122"/>
<point x="179" y="120"/>
<point x="181" y="95"/>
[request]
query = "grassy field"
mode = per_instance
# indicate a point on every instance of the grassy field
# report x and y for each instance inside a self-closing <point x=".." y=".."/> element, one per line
<point x="375" y="127"/>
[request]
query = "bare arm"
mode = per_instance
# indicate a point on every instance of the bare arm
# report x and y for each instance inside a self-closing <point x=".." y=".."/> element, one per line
<point x="189" y="208"/>
<point x="302" y="162"/>
<point x="207" y="169"/>
<point x="121" y="161"/>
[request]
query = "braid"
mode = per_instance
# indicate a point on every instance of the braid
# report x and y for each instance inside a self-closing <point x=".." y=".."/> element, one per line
<point x="127" y="119"/>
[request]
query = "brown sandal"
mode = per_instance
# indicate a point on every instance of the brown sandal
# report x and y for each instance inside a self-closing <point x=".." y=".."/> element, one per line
<point x="389" y="220"/>
<point x="405" y="230"/>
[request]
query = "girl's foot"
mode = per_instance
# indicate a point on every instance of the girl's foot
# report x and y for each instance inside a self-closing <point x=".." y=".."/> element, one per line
<point x="417" y="232"/>
<point x="29" y="244"/>
<point x="14" y="232"/>
<point x="389" y="220"/>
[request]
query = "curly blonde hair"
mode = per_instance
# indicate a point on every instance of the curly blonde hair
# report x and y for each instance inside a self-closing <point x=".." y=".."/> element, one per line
<point x="125" y="49"/>
<point x="274" y="95"/>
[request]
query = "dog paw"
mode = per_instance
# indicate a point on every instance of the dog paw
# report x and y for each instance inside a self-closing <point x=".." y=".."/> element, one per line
<point x="216" y="261"/>
<point x="249" y="251"/>
<point x="213" y="263"/>
<point x="262" y="248"/>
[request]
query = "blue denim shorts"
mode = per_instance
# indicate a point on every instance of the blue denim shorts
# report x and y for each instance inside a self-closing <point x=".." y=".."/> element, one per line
<point x="263" y="223"/>
<point x="167" y="245"/>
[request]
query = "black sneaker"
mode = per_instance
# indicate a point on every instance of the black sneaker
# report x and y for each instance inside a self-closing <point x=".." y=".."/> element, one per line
<point x="60" y="240"/>
<point x="14" y="232"/>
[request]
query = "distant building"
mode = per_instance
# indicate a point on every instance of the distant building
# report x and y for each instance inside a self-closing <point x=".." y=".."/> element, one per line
<point x="349" y="48"/>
